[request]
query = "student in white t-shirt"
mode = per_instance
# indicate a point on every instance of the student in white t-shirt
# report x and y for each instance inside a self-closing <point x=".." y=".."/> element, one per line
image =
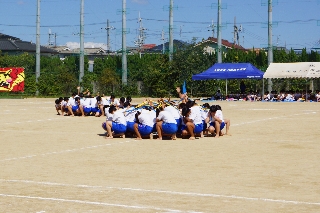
<point x="114" y="101"/>
<point x="129" y="114"/>
<point x="86" y="104"/>
<point x="67" y="107"/>
<point x="166" y="124"/>
<point x="193" y="120"/>
<point x="118" y="125"/>
<point x="217" y="123"/>
<point x="144" y="126"/>
<point x="77" y="108"/>
<point x="58" y="106"/>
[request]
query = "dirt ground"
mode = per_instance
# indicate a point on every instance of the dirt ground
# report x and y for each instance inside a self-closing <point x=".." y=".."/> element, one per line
<point x="51" y="163"/>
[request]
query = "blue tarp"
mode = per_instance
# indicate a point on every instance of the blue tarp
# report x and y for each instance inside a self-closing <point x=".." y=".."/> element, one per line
<point x="230" y="71"/>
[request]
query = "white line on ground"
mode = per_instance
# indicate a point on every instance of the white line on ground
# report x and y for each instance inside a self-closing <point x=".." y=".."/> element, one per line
<point x="272" y="118"/>
<point x="63" y="151"/>
<point x="193" y="194"/>
<point x="95" y="203"/>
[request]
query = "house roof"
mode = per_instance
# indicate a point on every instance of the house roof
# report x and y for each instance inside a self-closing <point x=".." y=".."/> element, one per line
<point x="13" y="44"/>
<point x="225" y="43"/>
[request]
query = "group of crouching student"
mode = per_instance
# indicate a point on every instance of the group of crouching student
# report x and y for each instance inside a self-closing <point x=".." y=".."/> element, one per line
<point x="86" y="105"/>
<point x="166" y="119"/>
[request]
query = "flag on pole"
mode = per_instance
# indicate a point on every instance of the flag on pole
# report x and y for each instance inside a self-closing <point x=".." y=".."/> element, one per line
<point x="184" y="88"/>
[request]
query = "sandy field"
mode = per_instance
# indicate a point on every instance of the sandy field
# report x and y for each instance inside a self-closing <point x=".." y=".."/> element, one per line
<point x="51" y="163"/>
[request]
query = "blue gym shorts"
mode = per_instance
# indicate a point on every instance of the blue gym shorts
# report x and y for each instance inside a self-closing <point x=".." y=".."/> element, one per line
<point x="144" y="129"/>
<point x="118" y="128"/>
<point x="169" y="128"/>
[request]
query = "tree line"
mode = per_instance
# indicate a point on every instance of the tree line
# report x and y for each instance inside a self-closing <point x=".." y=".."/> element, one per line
<point x="157" y="76"/>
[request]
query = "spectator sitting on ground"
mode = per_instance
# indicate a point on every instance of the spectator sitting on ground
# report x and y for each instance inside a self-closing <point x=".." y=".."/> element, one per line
<point x="318" y="96"/>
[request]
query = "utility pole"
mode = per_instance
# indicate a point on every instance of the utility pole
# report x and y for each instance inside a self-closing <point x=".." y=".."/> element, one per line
<point x="55" y="39"/>
<point x="50" y="43"/>
<point x="171" y="31"/>
<point x="236" y="31"/>
<point x="124" y="43"/>
<point x="270" y="48"/>
<point x="212" y="29"/>
<point x="141" y="36"/>
<point x="219" y="33"/>
<point x="108" y="28"/>
<point x="163" y="39"/>
<point x="38" y="45"/>
<point x="108" y="35"/>
<point x="81" y="74"/>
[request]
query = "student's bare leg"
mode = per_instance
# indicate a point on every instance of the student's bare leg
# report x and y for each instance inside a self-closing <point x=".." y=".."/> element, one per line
<point x="136" y="131"/>
<point x="190" y="128"/>
<point x="102" y="110"/>
<point x="109" y="129"/>
<point x="227" y="122"/>
<point x="81" y="110"/>
<point x="174" y="136"/>
<point x="211" y="129"/>
<point x="159" y="129"/>
<point x="70" y="111"/>
<point x="184" y="133"/>
<point x="217" y="127"/>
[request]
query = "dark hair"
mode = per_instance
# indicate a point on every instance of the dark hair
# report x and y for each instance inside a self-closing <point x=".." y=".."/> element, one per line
<point x="157" y="112"/>
<point x="81" y="95"/>
<point x="122" y="100"/>
<point x="57" y="101"/>
<point x="206" y="105"/>
<point x="185" y="111"/>
<point x="181" y="105"/>
<point x="213" y="108"/>
<point x="74" y="94"/>
<point x="126" y="104"/>
<point x="218" y="107"/>
<point x="60" y="99"/>
<point x="112" y="109"/>
<point x="129" y="99"/>
<point x="112" y="97"/>
<point x="136" y="116"/>
<point x="190" y="104"/>
<point x="77" y="99"/>
<point x="66" y="99"/>
<point x="98" y="98"/>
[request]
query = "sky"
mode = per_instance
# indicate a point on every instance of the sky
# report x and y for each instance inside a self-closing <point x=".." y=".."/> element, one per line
<point x="296" y="23"/>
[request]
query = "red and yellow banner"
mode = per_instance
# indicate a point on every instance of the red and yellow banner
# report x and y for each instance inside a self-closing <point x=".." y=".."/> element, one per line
<point x="12" y="79"/>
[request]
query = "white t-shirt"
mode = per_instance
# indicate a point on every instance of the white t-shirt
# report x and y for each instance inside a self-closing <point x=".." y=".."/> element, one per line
<point x="93" y="102"/>
<point x="71" y="101"/>
<point x="105" y="101"/>
<point x="108" y="115"/>
<point x="145" y="119"/>
<point x="118" y="117"/>
<point x="195" y="115"/>
<point x="130" y="114"/>
<point x="115" y="102"/>
<point x="219" y="115"/>
<point x="86" y="102"/>
<point x="174" y="112"/>
<point x="66" y="103"/>
<point x="166" y="117"/>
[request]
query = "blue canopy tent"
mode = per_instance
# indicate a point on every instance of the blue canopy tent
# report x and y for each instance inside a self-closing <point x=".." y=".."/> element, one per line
<point x="230" y="71"/>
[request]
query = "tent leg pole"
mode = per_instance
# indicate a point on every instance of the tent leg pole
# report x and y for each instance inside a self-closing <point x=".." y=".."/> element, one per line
<point x="262" y="88"/>
<point x="226" y="88"/>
